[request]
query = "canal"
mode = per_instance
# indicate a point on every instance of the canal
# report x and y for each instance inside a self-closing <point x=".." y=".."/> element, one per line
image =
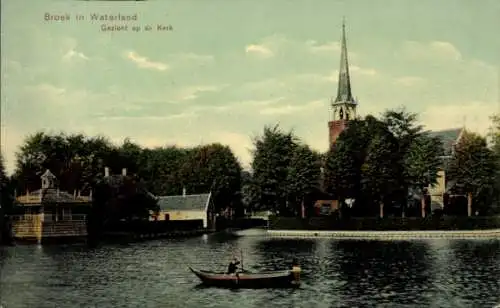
<point x="430" y="273"/>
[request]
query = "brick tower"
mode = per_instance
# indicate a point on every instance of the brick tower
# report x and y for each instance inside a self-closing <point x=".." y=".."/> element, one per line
<point x="344" y="105"/>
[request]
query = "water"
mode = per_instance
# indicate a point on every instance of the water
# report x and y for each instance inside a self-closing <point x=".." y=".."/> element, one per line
<point x="431" y="273"/>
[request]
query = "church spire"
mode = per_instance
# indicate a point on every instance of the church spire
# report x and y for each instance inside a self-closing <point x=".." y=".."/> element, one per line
<point x="344" y="94"/>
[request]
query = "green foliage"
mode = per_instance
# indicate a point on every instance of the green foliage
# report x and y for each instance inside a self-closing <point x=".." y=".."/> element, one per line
<point x="376" y="160"/>
<point x="303" y="174"/>
<point x="341" y="170"/>
<point x="74" y="159"/>
<point x="161" y="169"/>
<point x="494" y="134"/>
<point x="380" y="170"/>
<point x="284" y="171"/>
<point x="213" y="168"/>
<point x="118" y="197"/>
<point x="78" y="162"/>
<point x="474" y="166"/>
<point x="404" y="127"/>
<point x="422" y="161"/>
<point x="272" y="156"/>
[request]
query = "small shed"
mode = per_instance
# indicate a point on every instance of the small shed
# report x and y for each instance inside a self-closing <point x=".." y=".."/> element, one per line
<point x="187" y="207"/>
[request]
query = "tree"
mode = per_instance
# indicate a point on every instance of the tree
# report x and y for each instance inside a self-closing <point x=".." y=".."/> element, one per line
<point x="5" y="193"/>
<point x="271" y="161"/>
<point x="494" y="134"/>
<point x="474" y="166"/>
<point x="341" y="171"/>
<point x="422" y="163"/>
<point x="6" y="202"/>
<point x="303" y="175"/>
<point x="250" y="191"/>
<point x="74" y="159"/>
<point x="118" y="198"/>
<point x="405" y="128"/>
<point x="403" y="125"/>
<point x="161" y="169"/>
<point x="380" y="169"/>
<point x="346" y="157"/>
<point x="214" y="168"/>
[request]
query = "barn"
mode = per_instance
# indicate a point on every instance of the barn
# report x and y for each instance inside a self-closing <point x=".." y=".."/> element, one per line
<point x="187" y="207"/>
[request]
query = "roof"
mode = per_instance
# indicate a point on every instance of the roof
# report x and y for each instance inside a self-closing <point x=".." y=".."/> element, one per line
<point x="449" y="137"/>
<point x="50" y="195"/>
<point x="184" y="203"/>
<point x="48" y="174"/>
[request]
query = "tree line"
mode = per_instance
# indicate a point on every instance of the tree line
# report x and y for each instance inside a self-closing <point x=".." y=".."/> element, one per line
<point x="378" y="162"/>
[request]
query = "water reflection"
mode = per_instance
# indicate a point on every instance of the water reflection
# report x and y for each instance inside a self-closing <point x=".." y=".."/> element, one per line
<point x="481" y="261"/>
<point x="277" y="254"/>
<point x="430" y="273"/>
<point x="385" y="272"/>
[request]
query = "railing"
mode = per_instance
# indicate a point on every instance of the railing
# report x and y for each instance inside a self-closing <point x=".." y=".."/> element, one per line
<point x="48" y="217"/>
<point x="73" y="217"/>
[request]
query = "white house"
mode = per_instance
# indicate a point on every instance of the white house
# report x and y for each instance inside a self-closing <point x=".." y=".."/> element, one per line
<point x="187" y="207"/>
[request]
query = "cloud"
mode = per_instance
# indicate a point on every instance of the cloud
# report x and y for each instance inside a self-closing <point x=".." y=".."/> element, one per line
<point x="356" y="70"/>
<point x="260" y="50"/>
<point x="409" y="81"/>
<point x="143" y="62"/>
<point x="47" y="90"/>
<point x="290" y="109"/>
<point x="73" y="54"/>
<point x="193" y="92"/>
<point x="433" y="50"/>
<point x="315" y="47"/>
<point x="175" y="116"/>
<point x="474" y="115"/>
<point x="191" y="58"/>
<point x="240" y="144"/>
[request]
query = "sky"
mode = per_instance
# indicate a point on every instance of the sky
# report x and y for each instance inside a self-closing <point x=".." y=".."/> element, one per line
<point x="228" y="68"/>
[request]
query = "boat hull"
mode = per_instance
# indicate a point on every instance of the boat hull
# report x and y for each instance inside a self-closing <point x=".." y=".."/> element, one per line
<point x="283" y="279"/>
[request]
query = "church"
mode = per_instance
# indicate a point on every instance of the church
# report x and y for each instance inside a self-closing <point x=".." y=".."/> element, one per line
<point x="344" y="105"/>
<point x="344" y="109"/>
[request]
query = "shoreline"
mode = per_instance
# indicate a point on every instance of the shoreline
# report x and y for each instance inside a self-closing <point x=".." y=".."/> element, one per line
<point x="387" y="235"/>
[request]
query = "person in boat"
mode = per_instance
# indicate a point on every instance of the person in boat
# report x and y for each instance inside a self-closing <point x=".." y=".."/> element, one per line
<point x="296" y="270"/>
<point x="233" y="266"/>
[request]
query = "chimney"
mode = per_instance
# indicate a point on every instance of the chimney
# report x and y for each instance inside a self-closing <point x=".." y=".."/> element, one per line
<point x="124" y="171"/>
<point x="183" y="191"/>
<point x="106" y="171"/>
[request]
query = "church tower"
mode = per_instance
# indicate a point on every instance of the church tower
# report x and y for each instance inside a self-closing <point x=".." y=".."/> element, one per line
<point x="344" y="105"/>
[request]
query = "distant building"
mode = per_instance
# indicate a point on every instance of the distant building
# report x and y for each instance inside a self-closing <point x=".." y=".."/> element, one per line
<point x="450" y="139"/>
<point x="344" y="105"/>
<point x="50" y="212"/>
<point x="187" y="207"/>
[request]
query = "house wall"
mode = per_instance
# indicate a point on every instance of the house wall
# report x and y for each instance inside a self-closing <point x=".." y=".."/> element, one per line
<point x="436" y="192"/>
<point x="185" y="215"/>
<point x="38" y="223"/>
<point x="27" y="226"/>
<point x="321" y="205"/>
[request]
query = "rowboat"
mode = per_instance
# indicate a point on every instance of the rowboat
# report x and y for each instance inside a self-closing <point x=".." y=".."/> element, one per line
<point x="247" y="280"/>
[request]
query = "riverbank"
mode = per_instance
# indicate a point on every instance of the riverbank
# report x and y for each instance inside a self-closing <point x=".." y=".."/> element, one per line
<point x="387" y="235"/>
<point x="431" y="223"/>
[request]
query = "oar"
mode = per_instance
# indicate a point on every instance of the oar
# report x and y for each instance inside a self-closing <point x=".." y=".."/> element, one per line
<point x="241" y="255"/>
